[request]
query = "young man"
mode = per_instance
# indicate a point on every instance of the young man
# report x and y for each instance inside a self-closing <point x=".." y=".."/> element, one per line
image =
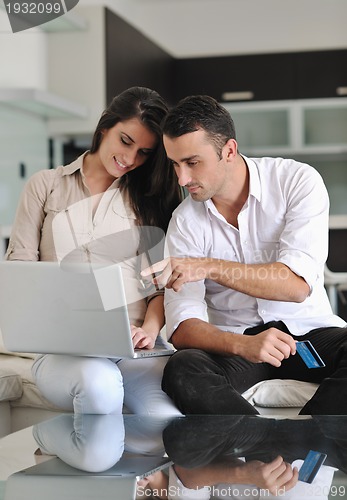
<point x="245" y="280"/>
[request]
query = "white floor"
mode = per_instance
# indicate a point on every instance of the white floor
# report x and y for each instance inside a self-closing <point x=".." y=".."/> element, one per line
<point x="16" y="452"/>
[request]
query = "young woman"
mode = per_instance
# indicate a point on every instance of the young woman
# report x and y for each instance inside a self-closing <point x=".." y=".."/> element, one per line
<point x="124" y="182"/>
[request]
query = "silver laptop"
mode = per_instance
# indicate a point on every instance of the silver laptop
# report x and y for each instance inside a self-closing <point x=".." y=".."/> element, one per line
<point x="78" y="310"/>
<point x="56" y="480"/>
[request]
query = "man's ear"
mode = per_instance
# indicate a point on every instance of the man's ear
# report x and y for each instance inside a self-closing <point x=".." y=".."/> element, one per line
<point x="231" y="149"/>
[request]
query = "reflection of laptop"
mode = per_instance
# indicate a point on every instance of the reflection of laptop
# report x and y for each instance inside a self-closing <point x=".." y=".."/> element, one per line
<point x="76" y="310"/>
<point x="55" y="480"/>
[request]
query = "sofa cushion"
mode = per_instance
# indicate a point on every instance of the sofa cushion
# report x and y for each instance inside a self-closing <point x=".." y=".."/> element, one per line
<point x="278" y="393"/>
<point x="30" y="396"/>
<point x="10" y="385"/>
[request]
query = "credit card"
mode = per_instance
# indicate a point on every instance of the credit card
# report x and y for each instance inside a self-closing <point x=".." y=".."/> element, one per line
<point x="309" y="355"/>
<point x="312" y="463"/>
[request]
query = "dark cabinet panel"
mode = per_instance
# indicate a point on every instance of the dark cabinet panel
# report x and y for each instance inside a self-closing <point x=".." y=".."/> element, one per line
<point x="132" y="59"/>
<point x="321" y="74"/>
<point x="264" y="77"/>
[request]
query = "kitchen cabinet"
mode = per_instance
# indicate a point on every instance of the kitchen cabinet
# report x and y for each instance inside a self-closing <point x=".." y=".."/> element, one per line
<point x="321" y="74"/>
<point x="309" y="130"/>
<point x="132" y="59"/>
<point x="300" y="126"/>
<point x="236" y="78"/>
<point x="264" y="126"/>
<point x="324" y="124"/>
<point x="264" y="77"/>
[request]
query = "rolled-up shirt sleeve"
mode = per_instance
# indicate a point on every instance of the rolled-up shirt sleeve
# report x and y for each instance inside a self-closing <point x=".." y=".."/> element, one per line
<point x="183" y="240"/>
<point x="304" y="240"/>
<point x="188" y="303"/>
<point x="26" y="232"/>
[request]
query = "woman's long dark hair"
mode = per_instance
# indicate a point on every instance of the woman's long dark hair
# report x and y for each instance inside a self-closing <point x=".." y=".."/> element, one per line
<point x="152" y="188"/>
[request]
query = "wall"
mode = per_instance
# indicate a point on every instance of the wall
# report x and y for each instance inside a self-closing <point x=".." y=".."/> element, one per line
<point x="76" y="70"/>
<point x="23" y="139"/>
<point x="23" y="57"/>
<point x="23" y="136"/>
<point x="92" y="66"/>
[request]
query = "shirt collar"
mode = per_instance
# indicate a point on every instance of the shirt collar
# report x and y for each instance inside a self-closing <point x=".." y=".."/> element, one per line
<point x="77" y="164"/>
<point x="254" y="180"/>
<point x="71" y="168"/>
<point x="254" y="184"/>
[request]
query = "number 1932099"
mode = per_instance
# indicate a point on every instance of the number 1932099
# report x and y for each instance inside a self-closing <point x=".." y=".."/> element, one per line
<point x="331" y="491"/>
<point x="34" y="8"/>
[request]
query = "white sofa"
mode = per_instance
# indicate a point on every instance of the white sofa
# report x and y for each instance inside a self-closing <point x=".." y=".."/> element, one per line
<point x="22" y="405"/>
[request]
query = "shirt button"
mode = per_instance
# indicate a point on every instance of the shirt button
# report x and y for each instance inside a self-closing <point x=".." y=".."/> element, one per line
<point x="263" y="311"/>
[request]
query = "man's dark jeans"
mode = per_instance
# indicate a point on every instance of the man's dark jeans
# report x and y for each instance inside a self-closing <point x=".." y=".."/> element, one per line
<point x="202" y="383"/>
<point x="197" y="440"/>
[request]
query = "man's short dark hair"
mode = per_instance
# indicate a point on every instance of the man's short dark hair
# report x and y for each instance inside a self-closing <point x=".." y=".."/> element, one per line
<point x="200" y="112"/>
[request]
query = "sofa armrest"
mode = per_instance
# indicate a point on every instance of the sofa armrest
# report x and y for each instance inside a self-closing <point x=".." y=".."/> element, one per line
<point x="10" y="385"/>
<point x="10" y="389"/>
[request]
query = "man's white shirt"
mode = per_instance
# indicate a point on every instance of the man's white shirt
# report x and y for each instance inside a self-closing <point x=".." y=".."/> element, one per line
<point x="285" y="219"/>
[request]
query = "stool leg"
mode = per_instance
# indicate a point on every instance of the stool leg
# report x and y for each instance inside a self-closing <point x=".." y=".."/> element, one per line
<point x="332" y="294"/>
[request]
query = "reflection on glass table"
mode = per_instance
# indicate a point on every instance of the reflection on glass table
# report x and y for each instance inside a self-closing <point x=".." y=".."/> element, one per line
<point x="254" y="457"/>
<point x="91" y="457"/>
<point x="192" y="457"/>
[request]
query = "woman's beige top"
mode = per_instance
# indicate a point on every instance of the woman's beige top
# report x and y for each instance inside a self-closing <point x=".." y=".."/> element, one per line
<point x="55" y="220"/>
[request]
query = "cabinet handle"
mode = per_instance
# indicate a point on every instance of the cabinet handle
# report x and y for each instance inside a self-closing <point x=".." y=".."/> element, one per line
<point x="246" y="95"/>
<point x="341" y="91"/>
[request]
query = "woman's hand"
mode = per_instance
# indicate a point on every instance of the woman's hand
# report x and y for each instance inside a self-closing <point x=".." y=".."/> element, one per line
<point x="142" y="339"/>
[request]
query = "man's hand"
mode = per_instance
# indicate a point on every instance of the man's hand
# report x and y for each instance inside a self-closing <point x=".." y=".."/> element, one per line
<point x="270" y="346"/>
<point x="176" y="271"/>
<point x="141" y="339"/>
<point x="277" y="476"/>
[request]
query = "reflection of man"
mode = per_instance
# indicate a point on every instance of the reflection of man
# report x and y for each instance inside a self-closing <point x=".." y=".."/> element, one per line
<point x="248" y="246"/>
<point x="223" y="454"/>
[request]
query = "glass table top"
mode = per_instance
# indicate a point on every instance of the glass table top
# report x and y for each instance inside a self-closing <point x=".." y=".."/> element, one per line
<point x="128" y="457"/>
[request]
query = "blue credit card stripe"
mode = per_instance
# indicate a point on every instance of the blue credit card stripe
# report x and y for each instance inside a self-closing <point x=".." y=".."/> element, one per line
<point x="306" y="355"/>
<point x="309" y="355"/>
<point x="311" y="466"/>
